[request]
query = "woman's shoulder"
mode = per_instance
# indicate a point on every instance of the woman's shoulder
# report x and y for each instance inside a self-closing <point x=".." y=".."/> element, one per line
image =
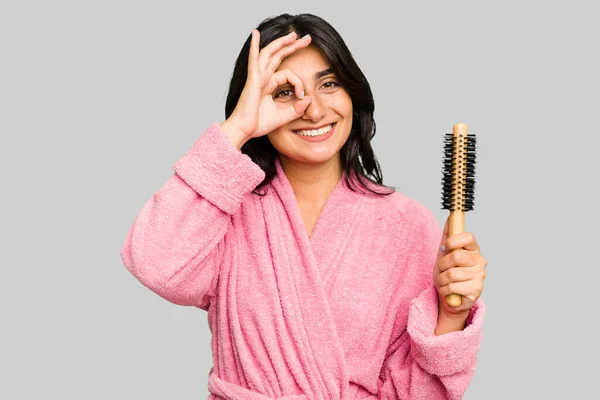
<point x="399" y="206"/>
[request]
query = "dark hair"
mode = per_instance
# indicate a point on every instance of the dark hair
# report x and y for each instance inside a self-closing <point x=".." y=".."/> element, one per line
<point x="357" y="158"/>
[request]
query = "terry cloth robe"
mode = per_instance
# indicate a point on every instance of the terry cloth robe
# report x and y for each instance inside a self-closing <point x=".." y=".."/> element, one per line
<point x="347" y="313"/>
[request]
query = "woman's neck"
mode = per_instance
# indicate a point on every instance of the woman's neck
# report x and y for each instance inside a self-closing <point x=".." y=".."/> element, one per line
<point x="312" y="182"/>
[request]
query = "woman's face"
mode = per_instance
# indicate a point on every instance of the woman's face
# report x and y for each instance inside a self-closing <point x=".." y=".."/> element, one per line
<point x="320" y="133"/>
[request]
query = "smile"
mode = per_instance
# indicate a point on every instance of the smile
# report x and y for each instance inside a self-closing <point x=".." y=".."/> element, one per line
<point x="314" y="132"/>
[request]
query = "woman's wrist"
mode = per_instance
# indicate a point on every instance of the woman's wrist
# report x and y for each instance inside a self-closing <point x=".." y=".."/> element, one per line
<point x="448" y="322"/>
<point x="236" y="137"/>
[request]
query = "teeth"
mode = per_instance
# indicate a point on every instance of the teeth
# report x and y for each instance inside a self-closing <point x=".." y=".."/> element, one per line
<point x="315" y="132"/>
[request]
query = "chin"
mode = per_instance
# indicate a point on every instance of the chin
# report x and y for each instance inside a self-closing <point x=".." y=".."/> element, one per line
<point x="313" y="157"/>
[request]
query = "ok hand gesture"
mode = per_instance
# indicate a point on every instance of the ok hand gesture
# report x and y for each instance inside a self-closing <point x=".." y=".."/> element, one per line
<point x="256" y="114"/>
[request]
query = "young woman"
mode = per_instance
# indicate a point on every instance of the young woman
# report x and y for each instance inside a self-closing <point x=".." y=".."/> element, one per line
<point x="319" y="281"/>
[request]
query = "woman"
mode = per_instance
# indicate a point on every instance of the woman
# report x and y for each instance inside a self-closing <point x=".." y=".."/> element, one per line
<point x="319" y="282"/>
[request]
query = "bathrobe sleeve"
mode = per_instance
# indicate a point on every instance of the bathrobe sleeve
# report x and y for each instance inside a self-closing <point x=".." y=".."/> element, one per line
<point x="174" y="245"/>
<point x="418" y="364"/>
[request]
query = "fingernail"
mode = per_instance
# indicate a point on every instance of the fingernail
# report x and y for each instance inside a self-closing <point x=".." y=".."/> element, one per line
<point x="302" y="94"/>
<point x="443" y="248"/>
<point x="470" y="297"/>
<point x="305" y="36"/>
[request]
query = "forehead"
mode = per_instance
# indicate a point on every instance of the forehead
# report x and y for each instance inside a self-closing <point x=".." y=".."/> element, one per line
<point x="305" y="61"/>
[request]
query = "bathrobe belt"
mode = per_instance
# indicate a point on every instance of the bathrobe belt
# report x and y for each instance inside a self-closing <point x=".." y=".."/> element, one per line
<point x="230" y="391"/>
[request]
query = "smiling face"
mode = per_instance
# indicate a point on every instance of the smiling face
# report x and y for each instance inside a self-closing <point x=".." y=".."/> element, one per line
<point x="320" y="133"/>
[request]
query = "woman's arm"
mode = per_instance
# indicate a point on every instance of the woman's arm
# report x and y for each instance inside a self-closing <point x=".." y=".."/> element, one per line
<point x="175" y="244"/>
<point x="421" y="364"/>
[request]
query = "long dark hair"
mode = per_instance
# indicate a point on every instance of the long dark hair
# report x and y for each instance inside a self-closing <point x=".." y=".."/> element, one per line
<point x="357" y="158"/>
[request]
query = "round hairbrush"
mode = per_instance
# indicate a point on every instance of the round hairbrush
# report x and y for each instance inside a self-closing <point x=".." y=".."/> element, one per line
<point x="458" y="183"/>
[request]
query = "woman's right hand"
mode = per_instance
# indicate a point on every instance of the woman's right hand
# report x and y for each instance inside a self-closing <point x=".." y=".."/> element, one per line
<point x="256" y="114"/>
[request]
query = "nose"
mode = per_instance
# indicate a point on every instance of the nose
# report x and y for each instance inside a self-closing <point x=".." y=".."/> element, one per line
<point x="315" y="110"/>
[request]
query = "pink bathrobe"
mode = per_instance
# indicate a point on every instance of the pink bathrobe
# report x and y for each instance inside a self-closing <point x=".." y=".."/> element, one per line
<point x="348" y="313"/>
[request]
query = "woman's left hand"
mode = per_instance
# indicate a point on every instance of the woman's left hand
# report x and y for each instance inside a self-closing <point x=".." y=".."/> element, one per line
<point x="459" y="269"/>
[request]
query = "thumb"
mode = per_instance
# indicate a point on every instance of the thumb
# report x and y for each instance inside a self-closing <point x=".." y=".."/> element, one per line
<point x="296" y="110"/>
<point x="445" y="234"/>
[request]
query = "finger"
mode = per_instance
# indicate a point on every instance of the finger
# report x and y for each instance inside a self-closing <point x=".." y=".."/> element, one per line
<point x="463" y="240"/>
<point x="296" y="110"/>
<point x="287" y="75"/>
<point x="457" y="274"/>
<point x="277" y="57"/>
<point x="274" y="47"/>
<point x="468" y="289"/>
<point x="445" y="235"/>
<point x="254" y="51"/>
<point x="458" y="258"/>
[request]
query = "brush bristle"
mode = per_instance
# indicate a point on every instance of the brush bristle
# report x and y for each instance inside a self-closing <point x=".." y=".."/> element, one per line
<point x="461" y="197"/>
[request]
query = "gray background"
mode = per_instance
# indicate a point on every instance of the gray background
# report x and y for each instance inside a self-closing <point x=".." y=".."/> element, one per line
<point x="99" y="100"/>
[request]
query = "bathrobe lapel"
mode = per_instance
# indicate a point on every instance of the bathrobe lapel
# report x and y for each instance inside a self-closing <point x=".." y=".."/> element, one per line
<point x="301" y="275"/>
<point x="335" y="226"/>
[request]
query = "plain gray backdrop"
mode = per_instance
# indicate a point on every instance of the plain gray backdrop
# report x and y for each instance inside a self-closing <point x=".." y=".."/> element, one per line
<point x="98" y="100"/>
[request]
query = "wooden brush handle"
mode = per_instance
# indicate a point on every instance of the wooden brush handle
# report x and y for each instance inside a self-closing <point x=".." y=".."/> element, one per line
<point x="457" y="218"/>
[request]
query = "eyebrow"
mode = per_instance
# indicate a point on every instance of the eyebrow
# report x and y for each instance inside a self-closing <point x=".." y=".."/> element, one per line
<point x="323" y="73"/>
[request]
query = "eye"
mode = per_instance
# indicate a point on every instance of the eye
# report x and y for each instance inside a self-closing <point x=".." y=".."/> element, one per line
<point x="330" y="84"/>
<point x="283" y="93"/>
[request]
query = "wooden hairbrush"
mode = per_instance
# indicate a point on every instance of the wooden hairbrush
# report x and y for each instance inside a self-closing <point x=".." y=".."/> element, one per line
<point x="458" y="183"/>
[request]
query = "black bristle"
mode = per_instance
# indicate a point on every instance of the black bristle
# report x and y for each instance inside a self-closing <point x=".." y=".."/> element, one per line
<point x="466" y="191"/>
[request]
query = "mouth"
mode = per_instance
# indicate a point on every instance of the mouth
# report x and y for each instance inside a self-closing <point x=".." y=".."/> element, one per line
<point x="314" y="132"/>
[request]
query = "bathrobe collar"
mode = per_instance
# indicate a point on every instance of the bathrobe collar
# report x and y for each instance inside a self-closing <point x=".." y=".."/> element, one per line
<point x="335" y="225"/>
